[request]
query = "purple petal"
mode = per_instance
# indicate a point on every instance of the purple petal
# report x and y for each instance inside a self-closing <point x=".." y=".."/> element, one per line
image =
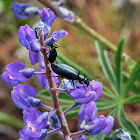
<point x="12" y="78"/>
<point x="83" y="138"/>
<point x="49" y="41"/>
<point x="56" y="35"/>
<point x="88" y="112"/>
<point x="26" y="35"/>
<point x="19" y="10"/>
<point x="34" y="102"/>
<point x="86" y="99"/>
<point x="33" y="57"/>
<point x="66" y="14"/>
<point x="15" y="66"/>
<point x="29" y="133"/>
<point x="47" y="16"/>
<point x="99" y="124"/>
<point x="77" y="93"/>
<point x="26" y="90"/>
<point x="27" y="72"/>
<point x="46" y="30"/>
<point x="41" y="78"/>
<point x="98" y="88"/>
<point x="55" y="77"/>
<point x="35" y="46"/>
<point x="19" y="100"/>
<point x="41" y="60"/>
<point x="30" y="114"/>
<point x="109" y="127"/>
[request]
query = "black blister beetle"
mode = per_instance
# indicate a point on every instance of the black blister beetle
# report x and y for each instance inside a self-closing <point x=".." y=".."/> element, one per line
<point x="53" y="53"/>
<point x="68" y="72"/>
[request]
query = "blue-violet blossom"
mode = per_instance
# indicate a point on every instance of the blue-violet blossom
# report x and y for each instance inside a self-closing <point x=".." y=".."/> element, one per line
<point x="24" y="96"/>
<point x="92" y="125"/>
<point x="16" y="73"/>
<point x="36" y="124"/>
<point x="23" y="11"/>
<point x="83" y="93"/>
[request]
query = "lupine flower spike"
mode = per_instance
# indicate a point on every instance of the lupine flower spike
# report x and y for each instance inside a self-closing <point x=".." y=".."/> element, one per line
<point x="39" y="125"/>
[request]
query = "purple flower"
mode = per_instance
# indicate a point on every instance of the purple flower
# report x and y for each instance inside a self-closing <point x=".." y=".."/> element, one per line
<point x="56" y="36"/>
<point x="36" y="124"/>
<point x="47" y="16"/>
<point x="28" y="39"/>
<point x="83" y="93"/>
<point x="101" y="124"/>
<point x="83" y="138"/>
<point x="23" y="11"/>
<point x="109" y="127"/>
<point x="24" y="96"/>
<point x="87" y="112"/>
<point x="26" y="35"/>
<point x="42" y="79"/>
<point x="16" y="73"/>
<point x="66" y="14"/>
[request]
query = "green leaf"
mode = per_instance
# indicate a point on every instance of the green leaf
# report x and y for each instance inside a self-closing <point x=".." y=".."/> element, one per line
<point x="133" y="99"/>
<point x="98" y="137"/>
<point x="126" y="124"/>
<point x="104" y="104"/>
<point x="12" y="121"/>
<point x="113" y="112"/>
<point x="118" y="65"/>
<point x="136" y="86"/>
<point x="106" y="66"/>
<point x="63" y="59"/>
<point x="108" y="93"/>
<point x="132" y="78"/>
<point x="63" y="97"/>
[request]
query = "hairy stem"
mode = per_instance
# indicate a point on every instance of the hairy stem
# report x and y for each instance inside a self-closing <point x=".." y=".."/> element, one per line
<point x="89" y="31"/>
<point x="63" y="122"/>
<point x="53" y="131"/>
<point x="58" y="132"/>
<point x="69" y="109"/>
<point x="46" y="107"/>
<point x="78" y="133"/>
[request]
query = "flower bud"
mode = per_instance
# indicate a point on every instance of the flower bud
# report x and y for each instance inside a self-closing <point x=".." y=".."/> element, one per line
<point x="23" y="11"/>
<point x="28" y="73"/>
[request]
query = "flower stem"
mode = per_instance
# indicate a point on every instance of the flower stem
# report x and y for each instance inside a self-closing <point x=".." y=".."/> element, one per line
<point x="53" y="131"/>
<point x="53" y="91"/>
<point x="69" y="109"/>
<point x="58" y="132"/>
<point x="78" y="133"/>
<point x="46" y="107"/>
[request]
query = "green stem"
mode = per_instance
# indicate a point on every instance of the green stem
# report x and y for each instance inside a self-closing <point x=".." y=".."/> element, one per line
<point x="94" y="35"/>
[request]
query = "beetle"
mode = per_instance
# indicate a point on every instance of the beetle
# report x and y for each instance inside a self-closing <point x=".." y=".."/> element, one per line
<point x="68" y="72"/>
<point x="53" y="53"/>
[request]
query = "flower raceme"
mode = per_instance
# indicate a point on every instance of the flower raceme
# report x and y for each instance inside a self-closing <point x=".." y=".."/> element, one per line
<point x="27" y="37"/>
<point x="24" y="96"/>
